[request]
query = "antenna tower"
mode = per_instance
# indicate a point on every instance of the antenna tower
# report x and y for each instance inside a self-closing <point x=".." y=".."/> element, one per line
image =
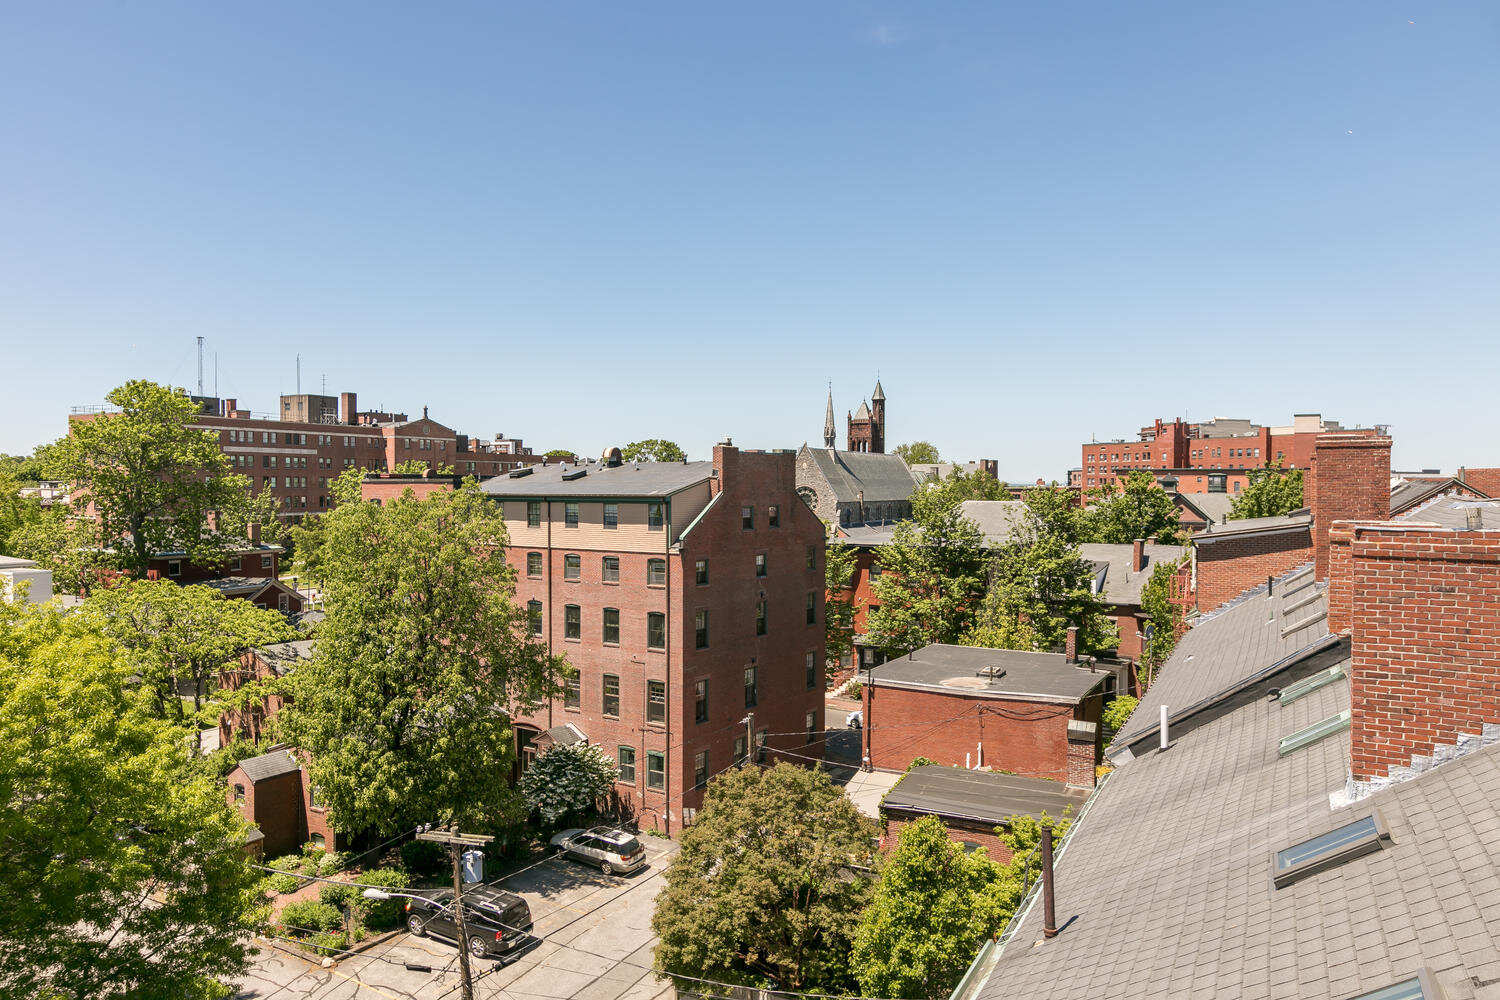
<point x="200" y="366"/>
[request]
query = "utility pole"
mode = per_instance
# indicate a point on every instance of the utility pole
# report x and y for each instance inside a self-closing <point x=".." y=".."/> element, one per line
<point x="455" y="841"/>
<point x="749" y="738"/>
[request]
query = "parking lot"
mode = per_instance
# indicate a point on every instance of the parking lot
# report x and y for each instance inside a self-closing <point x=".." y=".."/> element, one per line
<point x="593" y="942"/>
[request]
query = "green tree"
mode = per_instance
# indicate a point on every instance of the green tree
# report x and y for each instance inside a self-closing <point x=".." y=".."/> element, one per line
<point x="68" y="546"/>
<point x="932" y="579"/>
<point x="761" y="892"/>
<point x="1272" y="491"/>
<point x="17" y="513"/>
<point x="1039" y="585"/>
<point x="156" y="483"/>
<point x="421" y="656"/>
<point x="180" y="637"/>
<point x="929" y="500"/>
<point x="558" y="453"/>
<point x="1164" y="616"/>
<point x="1057" y="513"/>
<point x="839" y="601"/>
<point x="1138" y="509"/>
<point x="1117" y="713"/>
<point x="307" y="537"/>
<point x="410" y="467"/>
<point x="124" y="871"/>
<point x="934" y="907"/>
<point x="653" y="450"/>
<point x="570" y="779"/>
<point x="918" y="453"/>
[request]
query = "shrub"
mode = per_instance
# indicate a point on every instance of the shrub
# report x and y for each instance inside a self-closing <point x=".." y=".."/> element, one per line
<point x="286" y="863"/>
<point x="422" y="857"/>
<point x="332" y="862"/>
<point x="338" y="893"/>
<point x="285" y="884"/>
<point x="311" y="916"/>
<point x="385" y="913"/>
<point x="326" y="944"/>
<point x="1117" y="713"/>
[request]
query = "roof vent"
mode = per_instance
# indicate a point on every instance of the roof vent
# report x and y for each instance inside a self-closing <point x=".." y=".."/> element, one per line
<point x="611" y="458"/>
<point x="1474" y="518"/>
<point x="521" y="472"/>
<point x="568" y="477"/>
<point x="994" y="673"/>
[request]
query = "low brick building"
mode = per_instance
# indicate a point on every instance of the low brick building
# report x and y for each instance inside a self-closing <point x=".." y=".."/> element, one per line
<point x="1032" y="714"/>
<point x="1121" y="573"/>
<point x="250" y="574"/>
<point x="273" y="791"/>
<point x="1232" y="557"/>
<point x="972" y="804"/>
<point x="266" y="663"/>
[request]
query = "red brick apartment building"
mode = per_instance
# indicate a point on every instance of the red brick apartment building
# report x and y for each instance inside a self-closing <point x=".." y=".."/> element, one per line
<point x="687" y="596"/>
<point x="251" y="574"/>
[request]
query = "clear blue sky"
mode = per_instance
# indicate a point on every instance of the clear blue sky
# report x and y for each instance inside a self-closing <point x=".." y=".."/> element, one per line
<point x="588" y="223"/>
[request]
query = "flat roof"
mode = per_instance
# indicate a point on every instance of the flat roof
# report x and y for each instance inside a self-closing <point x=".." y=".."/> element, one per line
<point x="980" y="672"/>
<point x="630" y="479"/>
<point x="981" y="796"/>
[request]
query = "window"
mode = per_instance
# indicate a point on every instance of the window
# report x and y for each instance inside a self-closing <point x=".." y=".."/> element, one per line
<point x="266" y="561"/>
<point x="739" y="750"/>
<point x="751" y="687"/>
<point x="314" y="799"/>
<point x="874" y="570"/>
<point x="700" y="628"/>
<point x="812" y="727"/>
<point x="319" y="841"/>
<point x="570" y="515"/>
<point x="533" y="513"/>
<point x="1327" y="850"/>
<point x="773" y="516"/>
<point x="700" y="769"/>
<point x="533" y="564"/>
<point x="1312" y="734"/>
<point x="1418" y="987"/>
<point x="611" y="569"/>
<point x="239" y="793"/>
<point x="760" y="617"/>
<point x="174" y="568"/>
<point x="612" y="695"/>
<point x="656" y="701"/>
<point x="700" y="701"/>
<point x="812" y="557"/>
<point x="812" y="608"/>
<point x="572" y="622"/>
<point x="626" y="758"/>
<point x="812" y="669"/>
<point x="534" y="616"/>
<point x="656" y="572"/>
<point x="747" y="518"/>
<point x="760" y="564"/>
<point x="269" y="482"/>
<point x="656" y="770"/>
<point x="700" y="572"/>
<point x="655" y="516"/>
<point x="612" y="626"/>
<point x="1308" y="685"/>
<point x="573" y="692"/>
<point x="611" y="515"/>
<point x="656" y="630"/>
<point x="572" y="566"/>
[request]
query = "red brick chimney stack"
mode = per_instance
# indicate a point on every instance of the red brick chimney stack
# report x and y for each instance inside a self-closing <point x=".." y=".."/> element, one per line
<point x="1070" y="646"/>
<point x="1349" y="480"/>
<point x="347" y="407"/>
<point x="1137" y="555"/>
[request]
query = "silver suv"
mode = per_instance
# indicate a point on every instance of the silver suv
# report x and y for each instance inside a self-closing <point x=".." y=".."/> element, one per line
<point x="612" y="850"/>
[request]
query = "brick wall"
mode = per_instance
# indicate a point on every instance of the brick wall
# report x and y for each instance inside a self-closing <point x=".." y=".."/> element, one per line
<point x="1083" y="758"/>
<point x="958" y="830"/>
<point x="1425" y="653"/>
<point x="1350" y="480"/>
<point x="387" y="487"/>
<point x="275" y="805"/>
<point x="1229" y="566"/>
<point x="1487" y="481"/>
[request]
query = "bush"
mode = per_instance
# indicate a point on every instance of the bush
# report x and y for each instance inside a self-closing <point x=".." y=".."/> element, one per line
<point x="385" y="913"/>
<point x="338" y="894"/>
<point x="326" y="944"/>
<point x="286" y="863"/>
<point x="332" y="862"/>
<point x="422" y="857"/>
<point x="1116" y="714"/>
<point x="285" y="884"/>
<point x="310" y="916"/>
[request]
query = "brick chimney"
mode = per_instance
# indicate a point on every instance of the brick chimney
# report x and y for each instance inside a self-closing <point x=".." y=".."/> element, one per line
<point x="1070" y="645"/>
<point x="1349" y="480"/>
<point x="253" y="532"/>
<point x="1137" y="555"/>
<point x="347" y="407"/>
<point x="726" y="465"/>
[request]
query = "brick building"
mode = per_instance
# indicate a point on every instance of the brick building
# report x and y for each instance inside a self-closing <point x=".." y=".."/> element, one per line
<point x="1032" y="714"/>
<point x="273" y="791"/>
<point x="265" y="663"/>
<point x="251" y="574"/>
<point x="972" y="804"/>
<point x="687" y="596"/>
<point x="1121" y="573"/>
<point x="1232" y="557"/>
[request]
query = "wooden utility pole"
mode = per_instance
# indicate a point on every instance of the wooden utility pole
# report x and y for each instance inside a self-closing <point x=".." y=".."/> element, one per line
<point x="455" y="842"/>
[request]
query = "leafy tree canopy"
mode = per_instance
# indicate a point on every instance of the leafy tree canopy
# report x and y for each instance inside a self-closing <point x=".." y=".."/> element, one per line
<point x="1164" y="616"/>
<point x="839" y="604"/>
<point x="1117" y="713"/>
<point x="17" y="513"/>
<point x="123" y="869"/>
<point x="760" y="893"/>
<point x="1039" y="585"/>
<point x="568" y="780"/>
<point x="653" y="450"/>
<point x="421" y="654"/>
<point x="1057" y="513"/>
<point x="1139" y="508"/>
<point x="1272" y="491"/>
<point x="931" y="499"/>
<point x="558" y="453"/>
<point x="932" y="578"/>
<point x="918" y="453"/>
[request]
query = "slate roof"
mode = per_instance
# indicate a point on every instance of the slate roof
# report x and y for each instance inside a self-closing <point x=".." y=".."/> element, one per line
<point x="998" y="520"/>
<point x="868" y="535"/>
<point x="882" y="478"/>
<point x="632" y="479"/>
<point x="269" y="765"/>
<point x="981" y="796"/>
<point x="1212" y="507"/>
<point x="956" y="670"/>
<point x="1121" y="584"/>
<point x="281" y="657"/>
<point x="1298" y="520"/>
<point x="231" y="585"/>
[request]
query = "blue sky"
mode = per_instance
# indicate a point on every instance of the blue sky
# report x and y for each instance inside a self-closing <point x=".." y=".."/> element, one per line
<point x="584" y="224"/>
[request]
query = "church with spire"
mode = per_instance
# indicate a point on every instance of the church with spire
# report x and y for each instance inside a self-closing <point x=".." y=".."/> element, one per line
<point x="860" y="484"/>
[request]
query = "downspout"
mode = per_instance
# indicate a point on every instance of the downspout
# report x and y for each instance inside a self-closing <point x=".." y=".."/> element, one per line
<point x="550" y="609"/>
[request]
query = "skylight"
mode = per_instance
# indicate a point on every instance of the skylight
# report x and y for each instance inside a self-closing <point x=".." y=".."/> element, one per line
<point x="1418" y="987"/>
<point x="1312" y="734"/>
<point x="1308" y="685"/>
<point x="1330" y="849"/>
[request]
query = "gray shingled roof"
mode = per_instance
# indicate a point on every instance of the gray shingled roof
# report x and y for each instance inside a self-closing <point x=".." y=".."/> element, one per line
<point x="281" y="657"/>
<point x="982" y="796"/>
<point x="868" y="535"/>
<point x="632" y="479"/>
<point x="881" y="478"/>
<point x="1213" y="506"/>
<point x="1122" y="585"/>
<point x="998" y="520"/>
<point x="957" y="670"/>
<point x="269" y="765"/>
<point x="1452" y="512"/>
<point x="1255" y="526"/>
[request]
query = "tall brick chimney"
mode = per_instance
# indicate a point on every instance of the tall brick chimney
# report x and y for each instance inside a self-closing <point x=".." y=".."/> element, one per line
<point x="347" y="407"/>
<point x="726" y="465"/>
<point x="1137" y="555"/>
<point x="1349" y="480"/>
<point x="1070" y="645"/>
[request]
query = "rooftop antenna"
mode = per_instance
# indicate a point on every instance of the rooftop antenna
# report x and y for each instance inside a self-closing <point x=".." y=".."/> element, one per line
<point x="299" y="374"/>
<point x="200" y="366"/>
<point x="325" y="383"/>
<point x="216" y="374"/>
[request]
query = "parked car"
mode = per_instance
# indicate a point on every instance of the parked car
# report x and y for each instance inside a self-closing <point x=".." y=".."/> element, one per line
<point x="612" y="850"/>
<point x="496" y="922"/>
<point x="856" y="719"/>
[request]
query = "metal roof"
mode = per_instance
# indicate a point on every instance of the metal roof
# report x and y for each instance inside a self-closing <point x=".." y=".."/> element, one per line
<point x="1296" y="521"/>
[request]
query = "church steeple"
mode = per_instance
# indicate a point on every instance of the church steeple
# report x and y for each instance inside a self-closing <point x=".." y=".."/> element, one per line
<point x="830" y="432"/>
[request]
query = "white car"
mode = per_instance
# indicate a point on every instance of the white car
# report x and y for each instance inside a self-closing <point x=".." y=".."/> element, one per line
<point x="612" y="850"/>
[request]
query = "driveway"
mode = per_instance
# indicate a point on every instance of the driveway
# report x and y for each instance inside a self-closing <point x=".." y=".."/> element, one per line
<point x="594" y="942"/>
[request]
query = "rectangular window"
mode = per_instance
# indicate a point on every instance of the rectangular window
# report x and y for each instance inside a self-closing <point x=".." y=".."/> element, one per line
<point x="656" y="630"/>
<point x="812" y="557"/>
<point x="760" y="617"/>
<point x="534" y="616"/>
<point x="573" y="692"/>
<point x="612" y="626"/>
<point x="812" y="608"/>
<point x="1330" y="849"/>
<point x="533" y="513"/>
<point x="1312" y="734"/>
<point x="611" y="569"/>
<point x="239" y="793"/>
<point x="1308" y="685"/>
<point x="533" y="564"/>
<point x="760" y="564"/>
<point x="174" y="568"/>
<point x="700" y="701"/>
<point x="700" y="572"/>
<point x="626" y="758"/>
<point x="812" y="669"/>
<point x="656" y="572"/>
<point x="739" y="750"/>
<point x="812" y="727"/>
<point x="773" y="516"/>
<point x="700" y="769"/>
<point x="572" y="566"/>
<point x="572" y="622"/>
<point x="747" y="518"/>
<point x="612" y="695"/>
<point x="751" y="687"/>
<point x="656" y="770"/>
<point x="611" y="515"/>
<point x="570" y="515"/>
<point x="313" y="798"/>
<point x="874" y="570"/>
<point x="700" y="628"/>
<point x="266" y="562"/>
<point x="656" y="516"/>
<point x="656" y="701"/>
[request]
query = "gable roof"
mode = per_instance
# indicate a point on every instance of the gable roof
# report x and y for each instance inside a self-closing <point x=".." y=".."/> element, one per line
<point x="1411" y="492"/>
<point x="1212" y="507"/>
<point x="631" y="479"/>
<point x="1452" y="512"/>
<point x="978" y="796"/>
<point x="282" y="657"/>
<point x="269" y="765"/>
<point x="998" y="520"/>
<point x="1123" y="585"/>
<point x="882" y="478"/>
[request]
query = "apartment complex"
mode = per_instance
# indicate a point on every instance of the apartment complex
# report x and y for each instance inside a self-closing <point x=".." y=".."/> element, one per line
<point x="688" y="597"/>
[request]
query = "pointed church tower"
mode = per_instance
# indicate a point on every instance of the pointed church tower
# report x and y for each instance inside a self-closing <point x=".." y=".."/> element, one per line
<point x="877" y="419"/>
<point x="830" y="431"/>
